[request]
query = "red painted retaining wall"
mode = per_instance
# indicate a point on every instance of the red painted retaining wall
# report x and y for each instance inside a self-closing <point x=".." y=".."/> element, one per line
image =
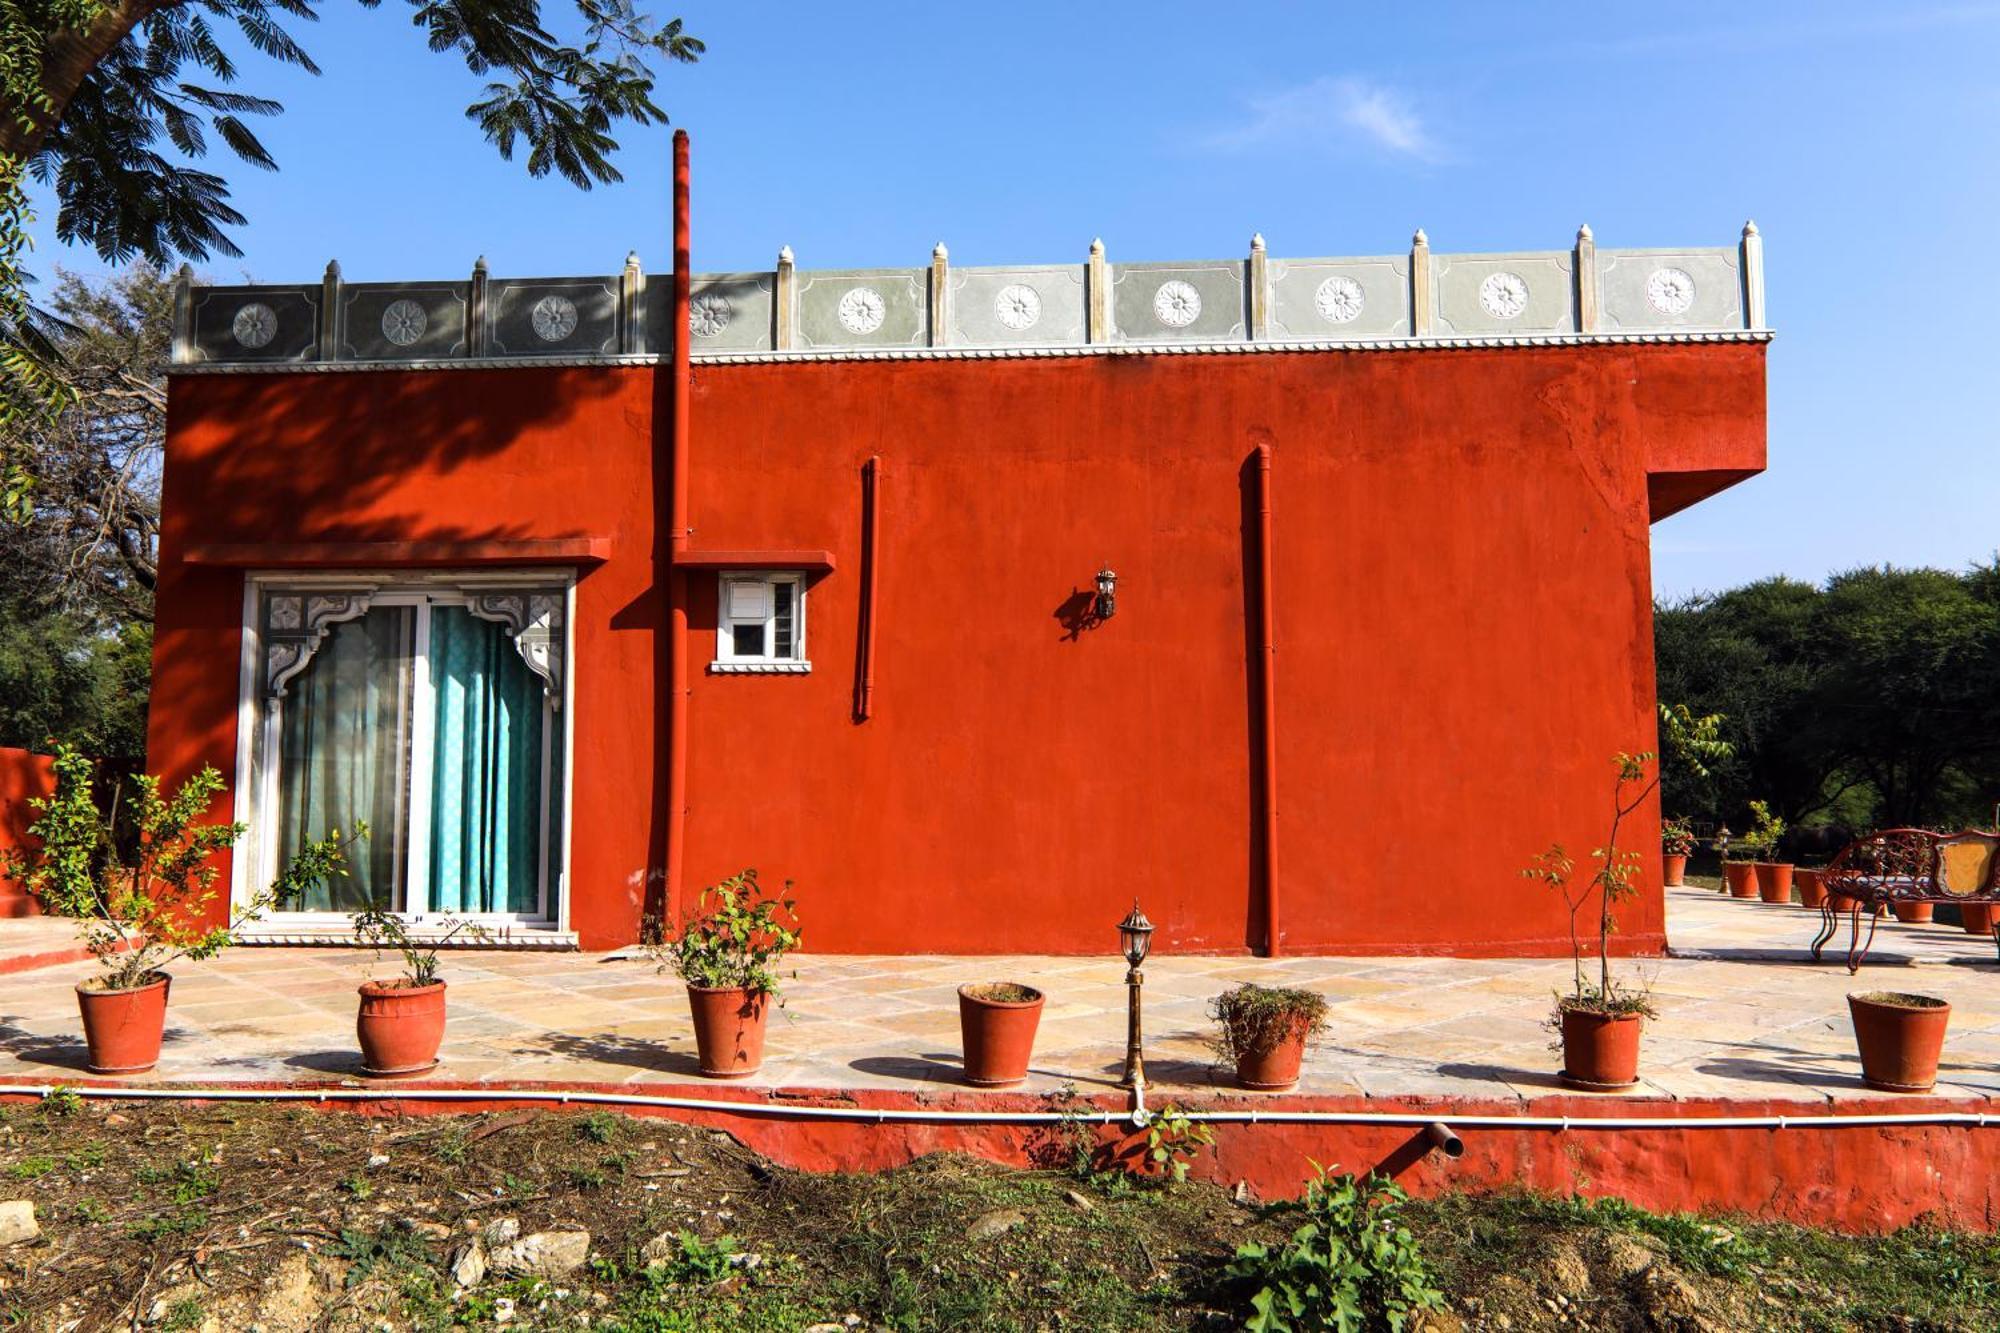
<point x="1857" y="1179"/>
<point x="23" y="776"/>
<point x="1463" y="621"/>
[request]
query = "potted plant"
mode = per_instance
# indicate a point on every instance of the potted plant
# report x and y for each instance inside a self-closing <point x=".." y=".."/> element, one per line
<point x="725" y="955"/>
<point x="1600" y="1020"/>
<point x="1774" y="877"/>
<point x="1976" y="918"/>
<point x="997" y="1022"/>
<point x="1811" y="884"/>
<point x="1900" y="1037"/>
<point x="140" y="912"/>
<point x="1739" y="876"/>
<point x="400" y="1024"/>
<point x="1264" y="1030"/>
<point x="1676" y="846"/>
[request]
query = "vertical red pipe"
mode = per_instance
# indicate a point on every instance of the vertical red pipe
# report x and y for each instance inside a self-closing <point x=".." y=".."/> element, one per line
<point x="871" y="522"/>
<point x="677" y="530"/>
<point x="1268" y="690"/>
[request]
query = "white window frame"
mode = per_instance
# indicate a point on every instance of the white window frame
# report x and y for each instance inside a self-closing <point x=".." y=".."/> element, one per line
<point x="260" y="723"/>
<point x="727" y="660"/>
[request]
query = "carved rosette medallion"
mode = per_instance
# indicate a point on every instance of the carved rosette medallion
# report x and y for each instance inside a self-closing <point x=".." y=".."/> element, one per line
<point x="861" y="310"/>
<point x="709" y="314"/>
<point x="1018" y="306"/>
<point x="553" y="318"/>
<point x="1503" y="295"/>
<point x="255" y="325"/>
<point x="1176" y="304"/>
<point x="403" y="322"/>
<point x="1339" y="299"/>
<point x="1670" y="291"/>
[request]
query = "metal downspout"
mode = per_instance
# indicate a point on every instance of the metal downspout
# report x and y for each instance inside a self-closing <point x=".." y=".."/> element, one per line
<point x="677" y="609"/>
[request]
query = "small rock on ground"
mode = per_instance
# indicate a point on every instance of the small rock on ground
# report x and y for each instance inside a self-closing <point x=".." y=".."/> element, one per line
<point x="17" y="1222"/>
<point x="543" y="1254"/>
<point x="994" y="1223"/>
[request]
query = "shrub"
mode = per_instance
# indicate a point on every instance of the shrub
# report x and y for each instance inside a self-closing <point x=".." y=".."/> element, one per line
<point x="1252" y="1019"/>
<point x="736" y="937"/>
<point x="1351" y="1265"/>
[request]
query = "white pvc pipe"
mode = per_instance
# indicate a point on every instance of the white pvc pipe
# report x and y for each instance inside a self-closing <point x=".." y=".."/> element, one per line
<point x="1138" y="1115"/>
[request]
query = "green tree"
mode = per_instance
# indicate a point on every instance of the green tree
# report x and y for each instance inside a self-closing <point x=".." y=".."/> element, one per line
<point x="111" y="104"/>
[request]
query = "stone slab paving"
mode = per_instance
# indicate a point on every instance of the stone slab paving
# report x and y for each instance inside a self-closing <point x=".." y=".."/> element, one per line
<point x="1744" y="1014"/>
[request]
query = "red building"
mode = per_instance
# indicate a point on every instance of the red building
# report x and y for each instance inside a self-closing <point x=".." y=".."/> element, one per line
<point x="419" y="567"/>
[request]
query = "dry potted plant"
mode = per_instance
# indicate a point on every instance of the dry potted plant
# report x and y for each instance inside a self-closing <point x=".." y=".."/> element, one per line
<point x="401" y="1022"/>
<point x="725" y="954"/>
<point x="141" y="910"/>
<point x="1676" y="846"/>
<point x="1264" y="1031"/>
<point x="1900" y="1037"/>
<point x="1774" y="877"/>
<point x="997" y="1022"/>
<point x="1600" y="1020"/>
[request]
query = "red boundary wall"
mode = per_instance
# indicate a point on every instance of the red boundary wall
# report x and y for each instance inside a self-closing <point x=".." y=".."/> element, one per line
<point x="23" y="776"/>
<point x="1870" y="1178"/>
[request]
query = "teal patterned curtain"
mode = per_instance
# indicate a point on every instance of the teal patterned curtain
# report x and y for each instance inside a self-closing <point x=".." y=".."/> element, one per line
<point x="344" y="755"/>
<point x="486" y="785"/>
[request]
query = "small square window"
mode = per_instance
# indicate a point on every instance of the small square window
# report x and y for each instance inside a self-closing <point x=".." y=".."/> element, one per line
<point x="762" y="626"/>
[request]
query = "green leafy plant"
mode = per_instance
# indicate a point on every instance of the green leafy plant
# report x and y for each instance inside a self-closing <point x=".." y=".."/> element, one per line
<point x="1693" y="741"/>
<point x="1677" y="836"/>
<point x="1761" y="841"/>
<point x="386" y="931"/>
<point x="139" y="915"/>
<point x="1173" y="1141"/>
<point x="1252" y="1019"/>
<point x="739" y="933"/>
<point x="1350" y="1266"/>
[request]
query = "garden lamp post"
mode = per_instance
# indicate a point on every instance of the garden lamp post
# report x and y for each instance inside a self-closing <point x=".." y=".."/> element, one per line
<point x="1135" y="934"/>
<point x="1722" y="836"/>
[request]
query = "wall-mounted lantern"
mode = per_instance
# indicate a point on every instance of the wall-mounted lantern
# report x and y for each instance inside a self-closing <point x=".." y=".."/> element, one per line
<point x="1106" y="604"/>
<point x="1135" y="937"/>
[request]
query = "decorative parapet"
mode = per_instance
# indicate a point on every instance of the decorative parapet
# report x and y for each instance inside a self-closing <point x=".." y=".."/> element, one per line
<point x="1417" y="298"/>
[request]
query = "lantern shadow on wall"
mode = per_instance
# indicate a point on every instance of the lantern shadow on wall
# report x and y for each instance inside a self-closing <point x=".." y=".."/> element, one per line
<point x="1086" y="609"/>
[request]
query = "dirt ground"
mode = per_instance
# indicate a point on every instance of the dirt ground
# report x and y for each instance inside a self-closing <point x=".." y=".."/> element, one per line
<point x="288" y="1219"/>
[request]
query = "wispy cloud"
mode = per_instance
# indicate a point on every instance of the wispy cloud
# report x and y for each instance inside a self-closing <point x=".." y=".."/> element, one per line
<point x="1329" y="110"/>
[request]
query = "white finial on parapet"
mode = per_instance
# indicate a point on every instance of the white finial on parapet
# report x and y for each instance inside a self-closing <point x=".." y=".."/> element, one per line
<point x="1259" y="289"/>
<point x="1585" y="262"/>
<point x="785" y="255"/>
<point x="1257" y="241"/>
<point x="631" y="300"/>
<point x="182" y="349"/>
<point x="1751" y="258"/>
<point x="939" y="252"/>
<point x="333" y="268"/>
<point x="1097" y="245"/>
<point x="784" y="305"/>
<point x="631" y="259"/>
<point x="939" y="295"/>
<point x="1420" y="284"/>
<point x="1097" y="294"/>
<point x="479" y="264"/>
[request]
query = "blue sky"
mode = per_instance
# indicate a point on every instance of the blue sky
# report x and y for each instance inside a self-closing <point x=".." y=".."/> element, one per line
<point x="1864" y="139"/>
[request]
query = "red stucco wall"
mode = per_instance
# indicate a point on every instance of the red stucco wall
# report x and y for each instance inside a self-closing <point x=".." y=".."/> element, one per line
<point x="23" y="777"/>
<point x="1463" y="611"/>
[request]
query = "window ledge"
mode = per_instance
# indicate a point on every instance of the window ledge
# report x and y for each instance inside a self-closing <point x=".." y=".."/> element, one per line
<point x="760" y="668"/>
<point x="498" y="937"/>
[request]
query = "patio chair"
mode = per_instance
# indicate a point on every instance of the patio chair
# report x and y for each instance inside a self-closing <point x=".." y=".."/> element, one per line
<point x="1905" y="865"/>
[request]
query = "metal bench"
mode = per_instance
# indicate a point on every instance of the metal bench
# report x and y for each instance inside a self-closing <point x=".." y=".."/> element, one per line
<point x="1905" y="865"/>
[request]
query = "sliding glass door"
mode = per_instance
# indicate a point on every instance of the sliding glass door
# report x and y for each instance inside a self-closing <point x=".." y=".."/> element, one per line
<point x="432" y="713"/>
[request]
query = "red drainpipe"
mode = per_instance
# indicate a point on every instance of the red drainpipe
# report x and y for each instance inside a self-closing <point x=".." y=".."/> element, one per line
<point x="871" y="499"/>
<point x="677" y="530"/>
<point x="1267" y="690"/>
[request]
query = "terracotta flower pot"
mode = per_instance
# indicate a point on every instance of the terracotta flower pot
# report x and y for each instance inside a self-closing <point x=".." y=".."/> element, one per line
<point x="729" y="1029"/>
<point x="1811" y="886"/>
<point x="1275" y="1067"/>
<point x="122" y="1028"/>
<point x="1741" y="878"/>
<point x="400" y="1028"/>
<point x="1838" y="903"/>
<point x="1915" y="914"/>
<point x="997" y="1021"/>
<point x="1900" y="1037"/>
<point x="1774" y="881"/>
<point x="1600" y="1051"/>
<point x="1673" y="869"/>
<point x="1976" y="918"/>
